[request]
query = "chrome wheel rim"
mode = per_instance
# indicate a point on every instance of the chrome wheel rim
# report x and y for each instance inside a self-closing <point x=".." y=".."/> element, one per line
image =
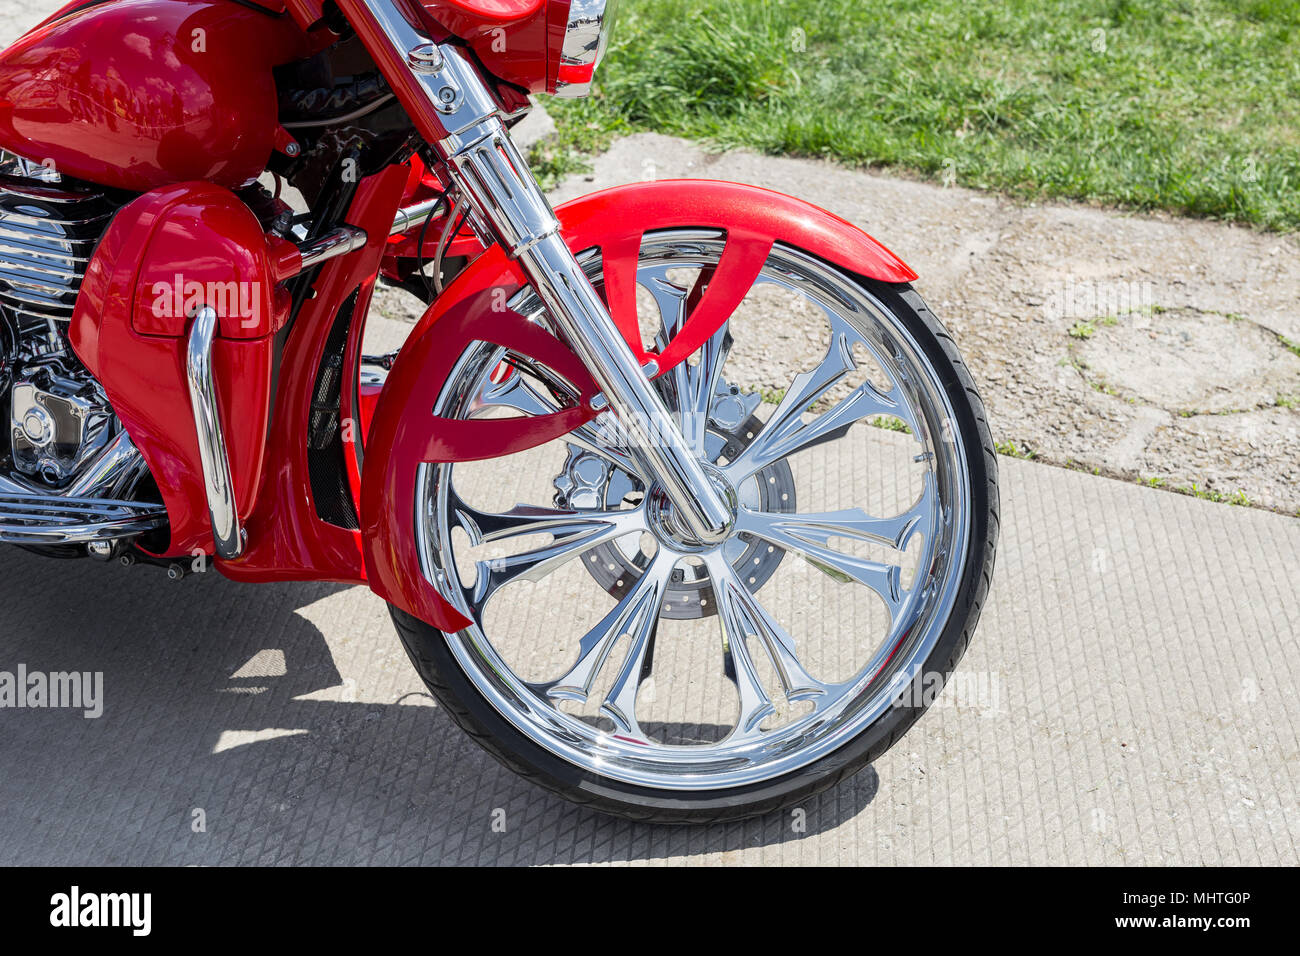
<point x="590" y="708"/>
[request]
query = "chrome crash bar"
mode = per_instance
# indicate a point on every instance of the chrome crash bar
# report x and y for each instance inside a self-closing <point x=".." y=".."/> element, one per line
<point x="217" y="483"/>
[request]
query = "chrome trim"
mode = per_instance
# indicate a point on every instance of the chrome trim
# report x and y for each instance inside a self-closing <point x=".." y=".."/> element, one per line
<point x="585" y="38"/>
<point x="417" y="215"/>
<point x="335" y="243"/>
<point x="29" y="169"/>
<point x="45" y="249"/>
<point x="90" y="509"/>
<point x="227" y="534"/>
<point x="494" y="176"/>
<point x="114" y="471"/>
<point x="43" y="519"/>
<point x="110" y="474"/>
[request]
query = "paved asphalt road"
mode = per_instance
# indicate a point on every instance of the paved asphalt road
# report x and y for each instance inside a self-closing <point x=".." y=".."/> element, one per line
<point x="1130" y="698"/>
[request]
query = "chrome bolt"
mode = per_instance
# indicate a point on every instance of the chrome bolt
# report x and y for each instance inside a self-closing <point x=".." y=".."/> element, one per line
<point x="599" y="402"/>
<point x="103" y="550"/>
<point x="448" y="99"/>
<point x="425" y="58"/>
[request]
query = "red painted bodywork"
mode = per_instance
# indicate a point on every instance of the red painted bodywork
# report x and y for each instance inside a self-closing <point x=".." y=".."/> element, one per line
<point x="287" y="540"/>
<point x="136" y="94"/>
<point x="206" y="234"/>
<point x="518" y="40"/>
<point x="405" y="433"/>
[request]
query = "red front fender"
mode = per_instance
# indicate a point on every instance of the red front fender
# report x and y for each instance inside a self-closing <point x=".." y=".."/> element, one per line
<point x="405" y="433"/>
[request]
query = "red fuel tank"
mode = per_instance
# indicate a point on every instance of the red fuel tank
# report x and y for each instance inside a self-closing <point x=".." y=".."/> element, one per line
<point x="136" y="94"/>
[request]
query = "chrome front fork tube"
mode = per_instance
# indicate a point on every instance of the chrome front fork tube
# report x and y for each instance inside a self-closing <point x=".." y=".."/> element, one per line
<point x="579" y="311"/>
<point x="506" y="199"/>
<point x="581" y="315"/>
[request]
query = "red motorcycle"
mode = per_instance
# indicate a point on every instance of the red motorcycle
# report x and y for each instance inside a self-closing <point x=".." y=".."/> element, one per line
<point x="599" y="523"/>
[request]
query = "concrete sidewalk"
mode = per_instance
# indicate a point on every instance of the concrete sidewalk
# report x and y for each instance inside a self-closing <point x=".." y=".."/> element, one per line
<point x="1130" y="698"/>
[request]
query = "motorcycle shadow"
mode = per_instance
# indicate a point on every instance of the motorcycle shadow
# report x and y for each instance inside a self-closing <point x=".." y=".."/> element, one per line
<point x="229" y="735"/>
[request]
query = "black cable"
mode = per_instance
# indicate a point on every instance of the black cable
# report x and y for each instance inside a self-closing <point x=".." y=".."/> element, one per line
<point x="419" y="259"/>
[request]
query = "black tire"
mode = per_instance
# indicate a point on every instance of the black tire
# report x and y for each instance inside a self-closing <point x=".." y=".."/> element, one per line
<point x="429" y="652"/>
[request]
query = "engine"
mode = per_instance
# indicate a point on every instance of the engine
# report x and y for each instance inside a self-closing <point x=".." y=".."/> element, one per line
<point x="58" y="415"/>
<point x="70" y="478"/>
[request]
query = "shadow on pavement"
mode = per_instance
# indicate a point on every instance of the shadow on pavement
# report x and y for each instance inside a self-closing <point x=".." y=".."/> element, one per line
<point x="280" y="763"/>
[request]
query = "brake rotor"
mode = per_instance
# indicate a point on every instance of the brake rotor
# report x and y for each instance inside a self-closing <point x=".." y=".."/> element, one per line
<point x="591" y="482"/>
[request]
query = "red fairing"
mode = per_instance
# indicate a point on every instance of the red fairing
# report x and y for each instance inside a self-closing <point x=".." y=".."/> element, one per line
<point x="399" y="441"/>
<point x="287" y="540"/>
<point x="136" y="94"/>
<point x="517" y="40"/>
<point x="405" y="432"/>
<point x="169" y="250"/>
<point x="209" y="249"/>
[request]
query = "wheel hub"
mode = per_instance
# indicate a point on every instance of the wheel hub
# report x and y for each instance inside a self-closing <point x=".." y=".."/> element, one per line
<point x="669" y="527"/>
<point x="590" y="482"/>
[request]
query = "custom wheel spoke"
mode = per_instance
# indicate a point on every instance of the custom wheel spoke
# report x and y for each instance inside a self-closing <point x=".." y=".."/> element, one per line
<point x="696" y="386"/>
<point x="574" y="533"/>
<point x="786" y="432"/>
<point x="620" y="702"/>
<point x="633" y="621"/>
<point x="885" y="579"/>
<point x="820" y="527"/>
<point x="692" y="387"/>
<point x="743" y="619"/>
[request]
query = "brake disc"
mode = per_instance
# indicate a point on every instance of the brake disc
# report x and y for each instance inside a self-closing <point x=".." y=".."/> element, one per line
<point x="590" y="482"/>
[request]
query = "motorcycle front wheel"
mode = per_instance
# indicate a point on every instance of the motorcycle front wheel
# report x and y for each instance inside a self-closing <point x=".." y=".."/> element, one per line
<point x="616" y="663"/>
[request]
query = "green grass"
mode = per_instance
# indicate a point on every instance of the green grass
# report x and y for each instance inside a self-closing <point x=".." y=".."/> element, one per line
<point x="1187" y="105"/>
<point x="1237" y="497"/>
<point x="1012" y="450"/>
<point x="890" y="424"/>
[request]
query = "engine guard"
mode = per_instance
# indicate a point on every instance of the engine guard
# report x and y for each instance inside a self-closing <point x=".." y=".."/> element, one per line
<point x="405" y="433"/>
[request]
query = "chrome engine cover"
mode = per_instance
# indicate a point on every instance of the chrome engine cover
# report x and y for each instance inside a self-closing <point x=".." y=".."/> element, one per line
<point x="47" y="236"/>
<point x="59" y="417"/>
<point x="68" y="467"/>
<point x="57" y="420"/>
